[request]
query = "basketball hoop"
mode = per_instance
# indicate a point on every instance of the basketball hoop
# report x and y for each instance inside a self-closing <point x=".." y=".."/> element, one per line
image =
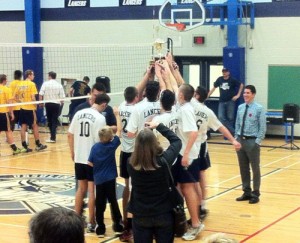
<point x="181" y="16"/>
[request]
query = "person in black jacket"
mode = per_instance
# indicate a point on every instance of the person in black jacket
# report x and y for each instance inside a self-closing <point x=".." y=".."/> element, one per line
<point x="149" y="203"/>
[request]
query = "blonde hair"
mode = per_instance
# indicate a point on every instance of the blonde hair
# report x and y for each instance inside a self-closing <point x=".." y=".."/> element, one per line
<point x="219" y="238"/>
<point x="106" y="134"/>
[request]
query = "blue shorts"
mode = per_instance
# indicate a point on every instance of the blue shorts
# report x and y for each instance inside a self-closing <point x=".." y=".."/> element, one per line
<point x="203" y="161"/>
<point x="4" y="122"/>
<point x="124" y="159"/>
<point x="84" y="172"/>
<point x="185" y="175"/>
<point x="27" y="117"/>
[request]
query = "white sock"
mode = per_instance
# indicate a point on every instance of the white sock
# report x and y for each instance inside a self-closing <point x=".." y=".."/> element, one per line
<point x="203" y="204"/>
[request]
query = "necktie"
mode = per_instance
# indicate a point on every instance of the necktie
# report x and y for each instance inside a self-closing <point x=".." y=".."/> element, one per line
<point x="243" y="121"/>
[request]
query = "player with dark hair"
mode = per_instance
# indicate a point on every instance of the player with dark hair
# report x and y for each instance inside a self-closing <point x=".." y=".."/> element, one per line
<point x="6" y="98"/>
<point x="124" y="113"/>
<point x="16" y="109"/>
<point x="145" y="110"/>
<point x="167" y="116"/>
<point x="99" y="88"/>
<point x="82" y="135"/>
<point x="25" y="92"/>
<point x="185" y="171"/>
<point x="206" y="119"/>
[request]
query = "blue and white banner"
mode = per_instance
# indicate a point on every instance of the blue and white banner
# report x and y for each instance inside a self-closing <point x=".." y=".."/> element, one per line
<point x="77" y="3"/>
<point x="132" y="3"/>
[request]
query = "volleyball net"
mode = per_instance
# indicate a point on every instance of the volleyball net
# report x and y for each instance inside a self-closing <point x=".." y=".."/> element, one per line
<point x="123" y="64"/>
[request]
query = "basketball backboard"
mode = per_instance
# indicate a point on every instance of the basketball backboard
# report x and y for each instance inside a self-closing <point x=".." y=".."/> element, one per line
<point x="182" y="15"/>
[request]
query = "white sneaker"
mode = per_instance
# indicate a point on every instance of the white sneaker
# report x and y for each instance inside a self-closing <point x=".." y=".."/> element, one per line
<point x="90" y="228"/>
<point x="192" y="232"/>
<point x="50" y="141"/>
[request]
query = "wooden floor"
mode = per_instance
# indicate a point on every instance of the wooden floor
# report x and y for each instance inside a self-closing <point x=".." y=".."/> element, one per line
<point x="34" y="181"/>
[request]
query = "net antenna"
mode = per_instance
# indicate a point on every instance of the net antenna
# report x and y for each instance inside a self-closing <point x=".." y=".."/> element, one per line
<point x="182" y="16"/>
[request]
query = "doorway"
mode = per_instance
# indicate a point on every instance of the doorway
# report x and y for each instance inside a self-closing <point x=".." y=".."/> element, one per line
<point x="200" y="70"/>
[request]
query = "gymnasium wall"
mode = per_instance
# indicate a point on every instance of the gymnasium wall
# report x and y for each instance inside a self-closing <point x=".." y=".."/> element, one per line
<point x="274" y="41"/>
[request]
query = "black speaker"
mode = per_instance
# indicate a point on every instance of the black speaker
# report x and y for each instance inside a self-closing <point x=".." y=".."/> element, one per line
<point x="291" y="113"/>
<point x="105" y="81"/>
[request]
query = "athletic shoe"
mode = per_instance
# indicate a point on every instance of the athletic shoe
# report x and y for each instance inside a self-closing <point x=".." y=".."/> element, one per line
<point x="40" y="147"/>
<point x="90" y="228"/>
<point x="26" y="150"/>
<point x="50" y="141"/>
<point x="118" y="228"/>
<point x="126" y="236"/>
<point x="17" y="151"/>
<point x="100" y="231"/>
<point x="193" y="232"/>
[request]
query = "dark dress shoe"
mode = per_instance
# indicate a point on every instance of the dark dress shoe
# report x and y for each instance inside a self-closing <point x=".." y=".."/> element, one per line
<point x="254" y="200"/>
<point x="244" y="197"/>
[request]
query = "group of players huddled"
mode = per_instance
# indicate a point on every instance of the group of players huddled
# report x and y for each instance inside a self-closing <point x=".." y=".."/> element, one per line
<point x="161" y="96"/>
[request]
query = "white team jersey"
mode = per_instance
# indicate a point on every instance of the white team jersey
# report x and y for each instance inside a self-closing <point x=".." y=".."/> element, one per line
<point x="125" y="111"/>
<point x="143" y="112"/>
<point x="85" y="126"/>
<point x="187" y="123"/>
<point x="52" y="90"/>
<point x="206" y="118"/>
<point x="170" y="120"/>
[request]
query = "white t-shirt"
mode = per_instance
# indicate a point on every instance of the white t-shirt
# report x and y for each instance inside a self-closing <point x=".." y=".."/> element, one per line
<point x="125" y="111"/>
<point x="85" y="126"/>
<point x="206" y="118"/>
<point x="169" y="119"/>
<point x="52" y="90"/>
<point x="187" y="123"/>
<point x="144" y="111"/>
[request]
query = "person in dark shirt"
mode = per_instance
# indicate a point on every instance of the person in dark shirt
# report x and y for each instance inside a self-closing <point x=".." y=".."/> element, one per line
<point x="79" y="88"/>
<point x="228" y="97"/>
<point x="149" y="202"/>
<point x="108" y="113"/>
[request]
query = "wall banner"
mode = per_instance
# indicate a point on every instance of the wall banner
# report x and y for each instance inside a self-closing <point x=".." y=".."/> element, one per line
<point x="77" y="3"/>
<point x="132" y="3"/>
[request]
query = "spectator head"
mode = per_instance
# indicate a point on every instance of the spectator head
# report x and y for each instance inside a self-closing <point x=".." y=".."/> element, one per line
<point x="97" y="88"/>
<point x="29" y="74"/>
<point x="3" y="78"/>
<point x="152" y="90"/>
<point x="167" y="100"/>
<point x="52" y="75"/>
<point x="56" y="225"/>
<point x="200" y="94"/>
<point x="146" y="150"/>
<point x="86" y="79"/>
<point x="106" y="134"/>
<point x="18" y="75"/>
<point x="131" y="94"/>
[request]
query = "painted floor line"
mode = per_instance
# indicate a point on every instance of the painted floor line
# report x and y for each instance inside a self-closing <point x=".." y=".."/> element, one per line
<point x="269" y="225"/>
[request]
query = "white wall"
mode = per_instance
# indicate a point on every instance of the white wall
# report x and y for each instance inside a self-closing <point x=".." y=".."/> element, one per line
<point x="273" y="41"/>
